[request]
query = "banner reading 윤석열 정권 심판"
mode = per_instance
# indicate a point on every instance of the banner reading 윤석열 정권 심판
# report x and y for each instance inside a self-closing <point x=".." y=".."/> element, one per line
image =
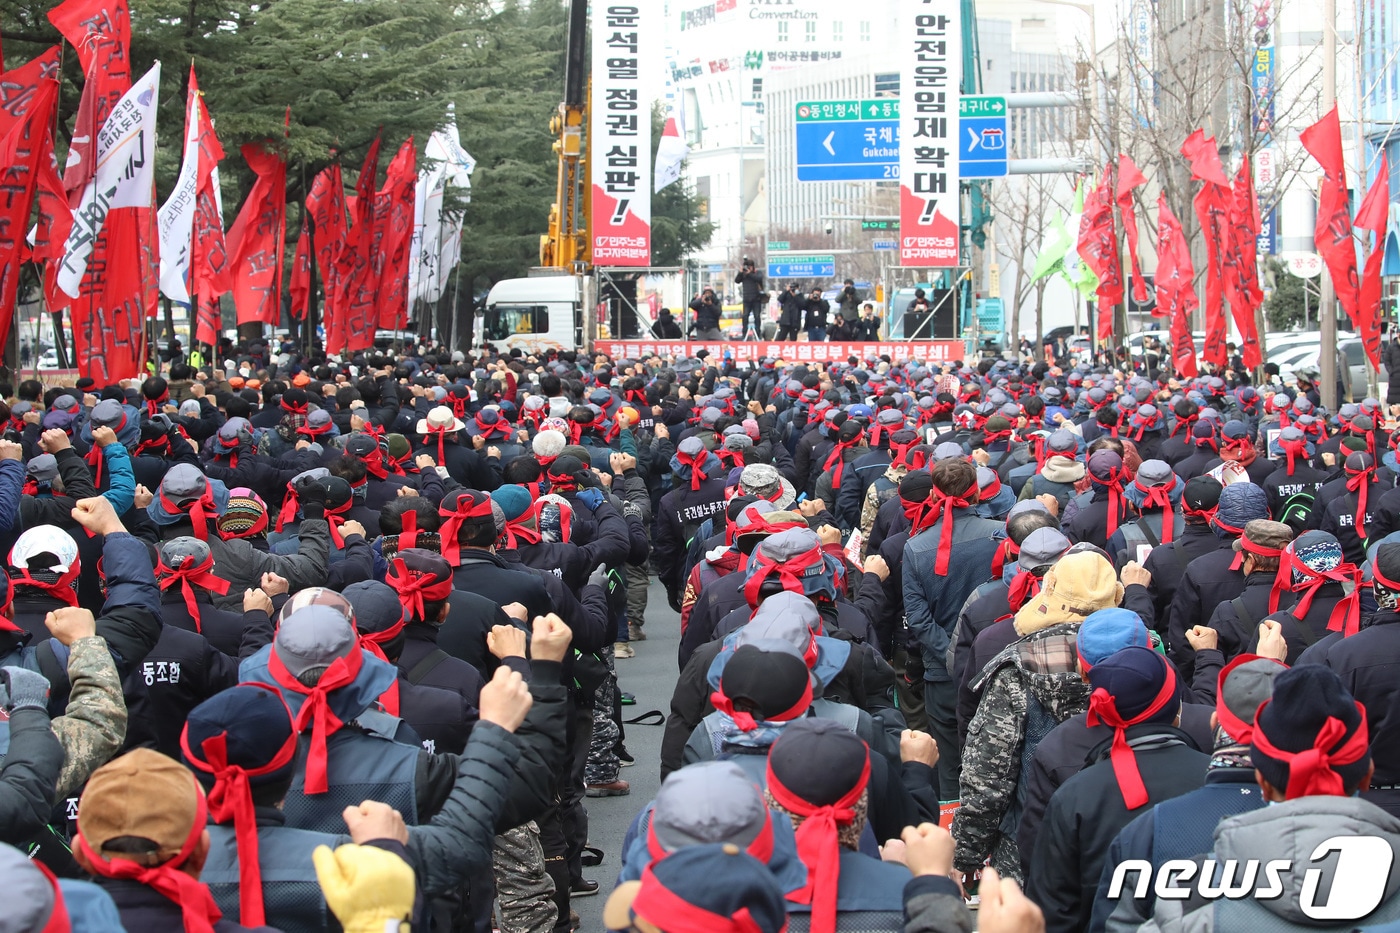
<point x="619" y="142"/>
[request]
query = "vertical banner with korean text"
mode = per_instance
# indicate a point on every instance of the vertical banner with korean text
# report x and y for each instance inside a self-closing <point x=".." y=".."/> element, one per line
<point x="619" y="140"/>
<point x="929" y="87"/>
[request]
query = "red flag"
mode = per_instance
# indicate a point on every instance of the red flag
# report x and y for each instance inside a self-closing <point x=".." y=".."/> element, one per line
<point x="1239" y="264"/>
<point x="1098" y="247"/>
<point x="1212" y="210"/>
<point x="20" y="88"/>
<point x="100" y="32"/>
<point x="393" y="210"/>
<point x="21" y="153"/>
<point x="55" y="216"/>
<point x="300" y="285"/>
<point x="325" y="206"/>
<point x="1204" y="157"/>
<point x="353" y="325"/>
<point x="1176" y="295"/>
<point x="1130" y="177"/>
<point x="120" y="286"/>
<point x="1374" y="216"/>
<point x="256" y="239"/>
<point x="209" y="260"/>
<point x="1323" y="140"/>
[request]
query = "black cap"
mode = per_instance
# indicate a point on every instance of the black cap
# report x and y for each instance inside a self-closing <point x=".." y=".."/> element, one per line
<point x="1202" y="493"/>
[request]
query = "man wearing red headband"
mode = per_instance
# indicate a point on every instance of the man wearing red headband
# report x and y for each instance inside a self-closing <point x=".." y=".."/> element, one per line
<point x="949" y="553"/>
<point x="1187" y="823"/>
<point x="1236" y="621"/>
<point x="1367" y="664"/>
<point x="1310" y="751"/>
<point x="1135" y="693"/>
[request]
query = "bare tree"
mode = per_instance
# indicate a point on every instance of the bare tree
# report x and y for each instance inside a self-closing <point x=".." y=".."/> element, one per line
<point x="1025" y="207"/>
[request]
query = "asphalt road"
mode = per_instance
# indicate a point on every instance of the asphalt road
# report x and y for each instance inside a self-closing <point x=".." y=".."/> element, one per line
<point x="650" y="676"/>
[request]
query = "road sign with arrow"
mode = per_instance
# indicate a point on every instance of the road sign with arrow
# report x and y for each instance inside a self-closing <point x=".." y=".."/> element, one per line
<point x="847" y="140"/>
<point x="982" y="148"/>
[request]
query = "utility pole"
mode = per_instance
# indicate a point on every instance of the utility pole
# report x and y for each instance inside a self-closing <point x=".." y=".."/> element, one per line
<point x="1327" y="308"/>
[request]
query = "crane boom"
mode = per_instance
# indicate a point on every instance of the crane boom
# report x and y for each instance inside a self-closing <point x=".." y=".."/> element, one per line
<point x="566" y="245"/>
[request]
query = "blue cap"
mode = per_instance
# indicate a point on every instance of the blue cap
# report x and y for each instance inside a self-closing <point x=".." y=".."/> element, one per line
<point x="1107" y="632"/>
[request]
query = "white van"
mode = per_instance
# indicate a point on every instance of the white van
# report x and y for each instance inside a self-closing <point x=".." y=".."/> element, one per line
<point x="533" y="314"/>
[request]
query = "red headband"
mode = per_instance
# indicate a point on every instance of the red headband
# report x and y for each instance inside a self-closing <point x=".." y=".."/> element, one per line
<point x="1346" y="615"/>
<point x="654" y="900"/>
<point x="452" y="521"/>
<point x="315" y="712"/>
<point x="231" y="798"/>
<point x="373" y="642"/>
<point x="190" y="575"/>
<point x="1280" y="581"/>
<point x="746" y="721"/>
<point x="761" y="848"/>
<point x="416" y="588"/>
<point x="1160" y="497"/>
<point x="1293" y="449"/>
<point x="1240" y="730"/>
<point x="63" y="589"/>
<point x="1115" y="496"/>
<point x="789" y="572"/>
<point x="1022" y="587"/>
<point x="836" y="460"/>
<point x="940" y="506"/>
<point x="1007" y="549"/>
<point x="1310" y="772"/>
<point x="201" y="510"/>
<point x="198" y="912"/>
<point x="819" y="843"/>
<point x="1359" y="482"/>
<point x="695" y="462"/>
<point x="1103" y="708"/>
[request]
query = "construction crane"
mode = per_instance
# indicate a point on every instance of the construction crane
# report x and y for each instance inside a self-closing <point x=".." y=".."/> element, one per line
<point x="566" y="245"/>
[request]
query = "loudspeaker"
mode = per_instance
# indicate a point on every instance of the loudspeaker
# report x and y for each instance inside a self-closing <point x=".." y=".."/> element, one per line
<point x="621" y="297"/>
<point x="944" y="308"/>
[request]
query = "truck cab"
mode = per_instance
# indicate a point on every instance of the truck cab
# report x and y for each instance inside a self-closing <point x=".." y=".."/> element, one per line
<point x="533" y="314"/>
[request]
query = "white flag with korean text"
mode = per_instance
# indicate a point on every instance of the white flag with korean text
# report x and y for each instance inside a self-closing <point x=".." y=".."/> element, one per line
<point x="124" y="175"/>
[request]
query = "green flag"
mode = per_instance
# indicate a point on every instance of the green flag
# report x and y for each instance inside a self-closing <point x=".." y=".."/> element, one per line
<point x="1052" y="251"/>
<point x="1074" y="269"/>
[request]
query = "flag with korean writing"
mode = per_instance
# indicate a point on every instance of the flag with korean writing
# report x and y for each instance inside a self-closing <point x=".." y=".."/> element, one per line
<point x="930" y="77"/>
<point x="122" y="177"/>
<point x="625" y="70"/>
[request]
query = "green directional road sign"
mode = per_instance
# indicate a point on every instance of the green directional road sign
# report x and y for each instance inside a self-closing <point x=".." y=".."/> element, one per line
<point x="779" y="246"/>
<point x="816" y="111"/>
<point x="981" y="106"/>
<point x="879" y="224"/>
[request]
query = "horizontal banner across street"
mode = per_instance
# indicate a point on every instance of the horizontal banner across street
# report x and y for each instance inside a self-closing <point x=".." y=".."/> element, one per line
<point x="931" y="351"/>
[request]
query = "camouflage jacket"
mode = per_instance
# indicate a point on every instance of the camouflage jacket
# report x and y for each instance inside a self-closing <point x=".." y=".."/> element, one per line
<point x="1026" y="690"/>
<point x="93" y="726"/>
<point x="883" y="488"/>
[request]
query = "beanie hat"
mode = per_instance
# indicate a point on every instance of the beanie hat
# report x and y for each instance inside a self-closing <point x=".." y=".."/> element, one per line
<point x="1132" y="686"/>
<point x="818" y="771"/>
<point x="236" y="740"/>
<point x="244" y="516"/>
<point x="1311" y="738"/>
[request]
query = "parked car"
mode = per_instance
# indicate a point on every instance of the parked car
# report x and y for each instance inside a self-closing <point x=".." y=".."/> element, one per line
<point x="1351" y="360"/>
<point x="49" y="359"/>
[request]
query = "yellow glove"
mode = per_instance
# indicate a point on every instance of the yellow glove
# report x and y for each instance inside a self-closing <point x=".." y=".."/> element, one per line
<point x="368" y="889"/>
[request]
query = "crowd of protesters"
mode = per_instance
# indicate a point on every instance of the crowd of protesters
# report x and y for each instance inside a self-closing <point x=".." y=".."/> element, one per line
<point x="296" y="643"/>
